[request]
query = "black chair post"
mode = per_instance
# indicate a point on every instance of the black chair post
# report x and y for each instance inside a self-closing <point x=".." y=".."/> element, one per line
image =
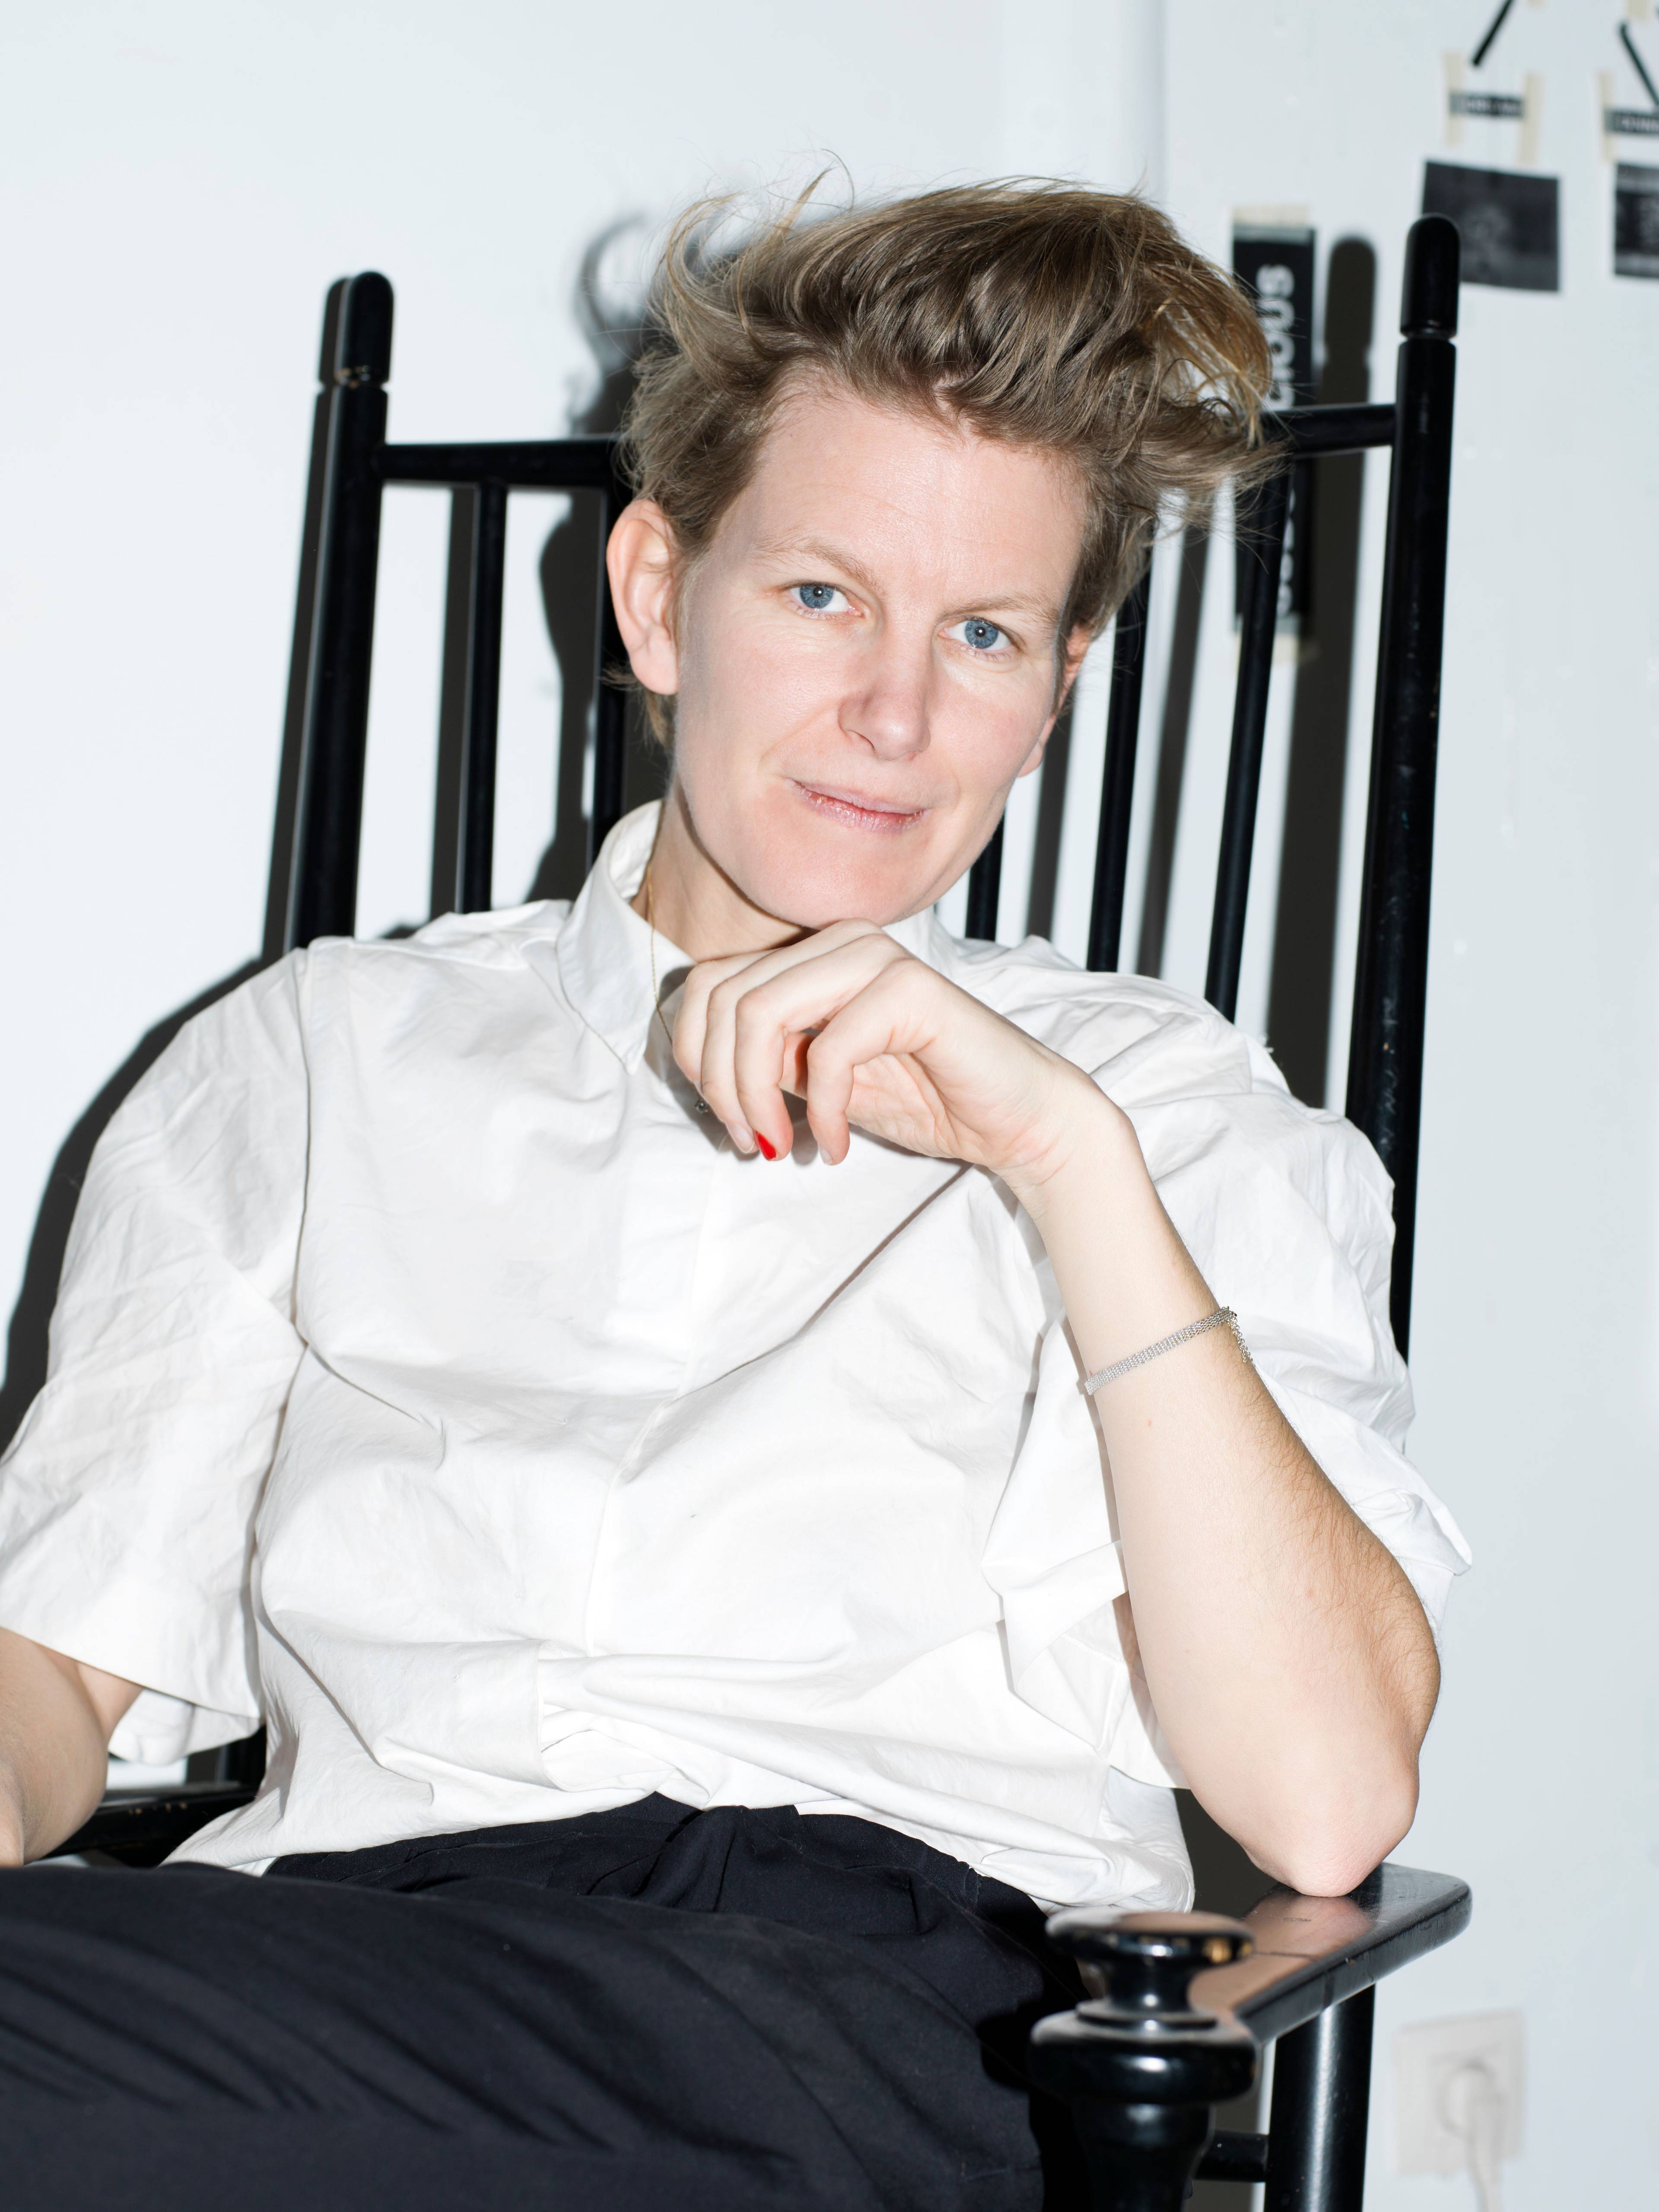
<point x="1385" y="1058"/>
<point x="322" y="897"/>
<point x="1321" y="2104"/>
<point x="1118" y="778"/>
<point x="1261" y="522"/>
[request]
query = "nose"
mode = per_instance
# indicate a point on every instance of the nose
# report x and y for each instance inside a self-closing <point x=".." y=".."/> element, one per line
<point x="888" y="709"/>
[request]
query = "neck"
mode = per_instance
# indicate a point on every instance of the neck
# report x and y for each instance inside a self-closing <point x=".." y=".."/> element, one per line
<point x="693" y="902"/>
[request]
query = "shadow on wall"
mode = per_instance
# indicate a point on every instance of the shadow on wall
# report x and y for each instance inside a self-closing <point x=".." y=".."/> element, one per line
<point x="1303" y="950"/>
<point x="1305" y="923"/>
<point x="569" y="567"/>
<point x="1304" y="926"/>
<point x="26" y="1340"/>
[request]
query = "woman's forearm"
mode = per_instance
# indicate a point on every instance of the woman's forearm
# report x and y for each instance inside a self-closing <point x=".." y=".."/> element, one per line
<point x="1289" y="1660"/>
<point x="56" y="1720"/>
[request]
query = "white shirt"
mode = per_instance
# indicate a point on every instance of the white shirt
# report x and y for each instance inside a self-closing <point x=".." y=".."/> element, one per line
<point x="431" y="1381"/>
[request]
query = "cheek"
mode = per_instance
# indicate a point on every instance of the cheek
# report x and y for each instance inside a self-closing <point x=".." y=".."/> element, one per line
<point x="743" y="694"/>
<point x="988" y="728"/>
<point x="756" y="678"/>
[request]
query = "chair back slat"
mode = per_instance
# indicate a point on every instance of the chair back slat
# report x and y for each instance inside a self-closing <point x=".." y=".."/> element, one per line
<point x="454" y="711"/>
<point x="522" y="464"/>
<point x="610" y="703"/>
<point x="1118" y="775"/>
<point x="1264" y="516"/>
<point x="477" y="839"/>
<point x="984" y="889"/>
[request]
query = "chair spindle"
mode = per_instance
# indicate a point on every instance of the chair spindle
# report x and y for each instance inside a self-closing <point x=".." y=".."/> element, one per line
<point x="610" y="702"/>
<point x="1265" y="516"/>
<point x="484" y="694"/>
<point x="1118" y="784"/>
<point x="984" y="887"/>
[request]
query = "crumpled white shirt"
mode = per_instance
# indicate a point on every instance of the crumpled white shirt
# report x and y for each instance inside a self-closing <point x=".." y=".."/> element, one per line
<point x="430" y="1381"/>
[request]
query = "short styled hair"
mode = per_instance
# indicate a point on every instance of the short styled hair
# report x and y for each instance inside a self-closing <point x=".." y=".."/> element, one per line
<point x="1078" y="323"/>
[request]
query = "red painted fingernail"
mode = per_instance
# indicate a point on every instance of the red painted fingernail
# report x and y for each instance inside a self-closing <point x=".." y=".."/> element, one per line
<point x="769" y="1150"/>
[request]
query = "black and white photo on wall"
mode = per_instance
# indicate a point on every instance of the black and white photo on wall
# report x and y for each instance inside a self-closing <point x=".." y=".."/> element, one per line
<point x="1274" y="261"/>
<point x="1635" y="221"/>
<point x="1635" y="184"/>
<point x="1511" y="224"/>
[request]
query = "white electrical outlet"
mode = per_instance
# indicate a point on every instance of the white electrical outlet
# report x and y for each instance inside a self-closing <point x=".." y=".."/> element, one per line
<point x="1459" y="2088"/>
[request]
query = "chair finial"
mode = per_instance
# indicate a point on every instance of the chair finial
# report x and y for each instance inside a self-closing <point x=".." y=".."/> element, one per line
<point x="1428" y="307"/>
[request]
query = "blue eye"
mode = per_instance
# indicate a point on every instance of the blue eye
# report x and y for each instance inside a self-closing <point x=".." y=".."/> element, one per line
<point x="817" y="597"/>
<point x="982" y="635"/>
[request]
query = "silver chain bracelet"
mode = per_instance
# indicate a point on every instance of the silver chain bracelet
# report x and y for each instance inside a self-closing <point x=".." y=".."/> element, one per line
<point x="1223" y="1317"/>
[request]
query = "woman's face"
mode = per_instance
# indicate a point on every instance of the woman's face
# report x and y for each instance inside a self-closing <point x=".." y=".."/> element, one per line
<point x="866" y="658"/>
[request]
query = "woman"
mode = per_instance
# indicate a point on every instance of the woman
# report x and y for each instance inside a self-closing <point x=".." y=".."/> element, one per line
<point x="703" y="1422"/>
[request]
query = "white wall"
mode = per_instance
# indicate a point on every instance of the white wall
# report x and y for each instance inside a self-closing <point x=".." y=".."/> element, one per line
<point x="180" y="184"/>
<point x="1535" y="1329"/>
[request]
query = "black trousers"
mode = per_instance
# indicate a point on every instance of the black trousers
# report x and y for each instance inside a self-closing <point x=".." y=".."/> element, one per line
<point x="646" y="2010"/>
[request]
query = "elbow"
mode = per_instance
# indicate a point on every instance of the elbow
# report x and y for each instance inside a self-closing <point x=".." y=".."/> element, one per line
<point x="1328" y="1846"/>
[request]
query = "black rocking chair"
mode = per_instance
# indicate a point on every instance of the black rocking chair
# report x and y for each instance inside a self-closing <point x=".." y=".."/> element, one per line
<point x="1184" y="2003"/>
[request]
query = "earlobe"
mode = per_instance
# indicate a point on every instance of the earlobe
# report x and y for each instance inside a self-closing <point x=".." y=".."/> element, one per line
<point x="639" y="562"/>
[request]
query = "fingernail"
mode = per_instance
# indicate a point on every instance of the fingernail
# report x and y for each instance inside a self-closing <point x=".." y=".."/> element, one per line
<point x="770" y="1150"/>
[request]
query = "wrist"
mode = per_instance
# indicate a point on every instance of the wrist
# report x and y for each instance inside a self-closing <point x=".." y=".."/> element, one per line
<point x="1087" y="1136"/>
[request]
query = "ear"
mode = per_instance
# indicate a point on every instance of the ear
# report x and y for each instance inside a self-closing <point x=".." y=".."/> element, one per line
<point x="640" y="560"/>
<point x="1076" y="647"/>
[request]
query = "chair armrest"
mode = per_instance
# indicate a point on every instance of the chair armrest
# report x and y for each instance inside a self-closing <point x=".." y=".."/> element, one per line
<point x="140" y="1826"/>
<point x="1164" y="2035"/>
<point x="1312" y="1952"/>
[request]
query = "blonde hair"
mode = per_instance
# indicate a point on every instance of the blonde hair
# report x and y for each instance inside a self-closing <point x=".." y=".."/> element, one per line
<point x="1078" y="323"/>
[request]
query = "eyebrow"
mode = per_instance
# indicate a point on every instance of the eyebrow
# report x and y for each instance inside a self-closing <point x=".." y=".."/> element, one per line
<point x="835" y="556"/>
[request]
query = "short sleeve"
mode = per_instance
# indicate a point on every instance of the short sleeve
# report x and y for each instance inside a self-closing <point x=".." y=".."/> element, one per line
<point x="1286" y="1211"/>
<point x="127" y="1497"/>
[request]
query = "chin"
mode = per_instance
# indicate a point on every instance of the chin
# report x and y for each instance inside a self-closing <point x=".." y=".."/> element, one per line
<point x="812" y="898"/>
<point x="821" y="875"/>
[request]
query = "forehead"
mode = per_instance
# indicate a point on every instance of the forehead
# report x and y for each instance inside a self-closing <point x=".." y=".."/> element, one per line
<point x="916" y="499"/>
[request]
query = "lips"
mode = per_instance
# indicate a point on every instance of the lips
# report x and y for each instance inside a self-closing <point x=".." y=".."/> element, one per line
<point x="858" y="810"/>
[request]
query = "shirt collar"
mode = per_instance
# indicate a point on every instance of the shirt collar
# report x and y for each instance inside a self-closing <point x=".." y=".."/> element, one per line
<point x="604" y="949"/>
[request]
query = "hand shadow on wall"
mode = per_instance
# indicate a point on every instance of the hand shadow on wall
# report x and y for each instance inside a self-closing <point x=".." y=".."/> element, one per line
<point x="1305" y="920"/>
<point x="1305" y="923"/>
<point x="570" y="569"/>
